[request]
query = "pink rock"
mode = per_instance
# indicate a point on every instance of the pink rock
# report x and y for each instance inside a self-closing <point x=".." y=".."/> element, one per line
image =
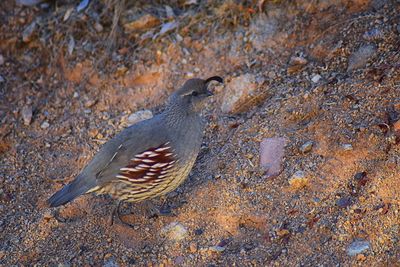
<point x="272" y="151"/>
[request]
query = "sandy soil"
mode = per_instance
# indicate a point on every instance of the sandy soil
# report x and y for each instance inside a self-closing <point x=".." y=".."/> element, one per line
<point x="327" y="72"/>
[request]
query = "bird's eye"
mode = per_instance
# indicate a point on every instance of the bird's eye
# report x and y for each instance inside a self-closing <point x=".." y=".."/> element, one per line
<point x="195" y="93"/>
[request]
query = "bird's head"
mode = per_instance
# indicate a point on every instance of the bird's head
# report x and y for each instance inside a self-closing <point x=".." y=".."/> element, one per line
<point x="193" y="92"/>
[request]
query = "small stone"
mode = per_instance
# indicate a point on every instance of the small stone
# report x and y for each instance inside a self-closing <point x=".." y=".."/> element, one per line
<point x="2" y="80"/>
<point x="344" y="202"/>
<point x="217" y="249"/>
<point x="28" y="32"/>
<point x="198" y="231"/>
<point x="76" y="95"/>
<point x="174" y="231"/>
<point x="140" y="115"/>
<point x="298" y="61"/>
<point x="298" y="180"/>
<point x="45" y="125"/>
<point x="90" y="103"/>
<point x="360" y="57"/>
<point x="27" y="114"/>
<point x="47" y="145"/>
<point x="98" y="27"/>
<point x="271" y="155"/>
<point x="316" y="78"/>
<point x="193" y="247"/>
<point x="1" y="60"/>
<point x="347" y="147"/>
<point x="196" y="69"/>
<point x="358" y="246"/>
<point x="306" y="147"/>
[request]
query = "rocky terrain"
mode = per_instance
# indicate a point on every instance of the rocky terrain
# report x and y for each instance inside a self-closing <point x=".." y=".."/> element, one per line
<point x="300" y="164"/>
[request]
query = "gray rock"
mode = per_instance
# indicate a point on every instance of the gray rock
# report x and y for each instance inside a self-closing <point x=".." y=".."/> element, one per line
<point x="316" y="78"/>
<point x="347" y="147"/>
<point x="140" y="115"/>
<point x="306" y="147"/>
<point x="28" y="32"/>
<point x="174" y="231"/>
<point x="358" y="246"/>
<point x="360" y="57"/>
<point x="45" y="125"/>
<point x="1" y="60"/>
<point x="27" y="114"/>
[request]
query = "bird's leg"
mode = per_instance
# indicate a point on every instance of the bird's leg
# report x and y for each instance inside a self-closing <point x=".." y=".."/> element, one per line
<point x="153" y="211"/>
<point x="113" y="213"/>
<point x="117" y="212"/>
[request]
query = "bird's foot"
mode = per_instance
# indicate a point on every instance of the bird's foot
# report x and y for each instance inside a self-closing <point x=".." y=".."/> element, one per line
<point x="116" y="212"/>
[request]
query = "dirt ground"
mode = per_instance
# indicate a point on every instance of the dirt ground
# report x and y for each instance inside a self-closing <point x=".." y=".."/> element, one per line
<point x="327" y="76"/>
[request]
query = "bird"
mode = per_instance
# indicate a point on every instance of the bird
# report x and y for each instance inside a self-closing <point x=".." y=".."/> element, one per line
<point x="150" y="158"/>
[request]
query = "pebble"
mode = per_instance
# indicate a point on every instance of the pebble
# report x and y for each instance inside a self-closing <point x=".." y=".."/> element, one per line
<point x="298" y="61"/>
<point x="216" y="249"/>
<point x="28" y="32"/>
<point x="140" y="115"/>
<point x="193" y="247"/>
<point x="271" y="155"/>
<point x="1" y="60"/>
<point x="2" y="80"/>
<point x="45" y="125"/>
<point x="357" y="247"/>
<point x="298" y="180"/>
<point x="306" y="147"/>
<point x="98" y="27"/>
<point x="344" y="202"/>
<point x="27" y="114"/>
<point x="90" y="103"/>
<point x="360" y="57"/>
<point x="347" y="147"/>
<point x="174" y="231"/>
<point x="76" y="95"/>
<point x="316" y="78"/>
<point x="198" y="231"/>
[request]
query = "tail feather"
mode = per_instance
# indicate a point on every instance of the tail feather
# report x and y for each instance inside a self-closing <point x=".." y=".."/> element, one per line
<point x="69" y="192"/>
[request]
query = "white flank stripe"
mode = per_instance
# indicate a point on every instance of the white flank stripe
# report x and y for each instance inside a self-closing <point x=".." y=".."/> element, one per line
<point x="143" y="166"/>
<point x="160" y="165"/>
<point x="162" y="148"/>
<point x="129" y="169"/>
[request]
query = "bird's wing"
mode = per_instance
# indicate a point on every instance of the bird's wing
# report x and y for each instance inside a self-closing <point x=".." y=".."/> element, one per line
<point x="125" y="150"/>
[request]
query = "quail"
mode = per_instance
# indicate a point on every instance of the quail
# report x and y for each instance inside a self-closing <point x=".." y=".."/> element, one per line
<point x="149" y="158"/>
